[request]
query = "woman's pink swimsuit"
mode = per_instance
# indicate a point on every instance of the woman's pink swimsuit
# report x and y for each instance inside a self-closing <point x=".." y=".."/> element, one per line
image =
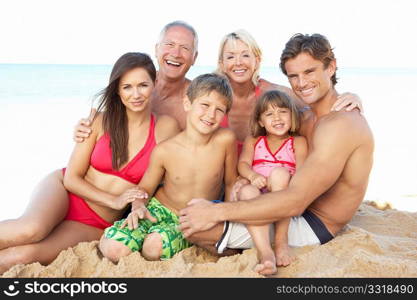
<point x="101" y="160"/>
<point x="264" y="161"/>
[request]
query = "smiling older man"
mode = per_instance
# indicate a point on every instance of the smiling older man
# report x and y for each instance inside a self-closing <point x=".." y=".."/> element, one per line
<point x="175" y="51"/>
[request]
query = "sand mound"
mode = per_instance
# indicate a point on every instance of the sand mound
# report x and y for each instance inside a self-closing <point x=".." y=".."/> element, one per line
<point x="376" y="243"/>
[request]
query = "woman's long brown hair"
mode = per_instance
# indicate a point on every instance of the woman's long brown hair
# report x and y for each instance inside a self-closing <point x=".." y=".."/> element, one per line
<point x="114" y="111"/>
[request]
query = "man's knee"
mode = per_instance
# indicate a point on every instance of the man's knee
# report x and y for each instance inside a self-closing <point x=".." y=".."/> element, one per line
<point x="113" y="250"/>
<point x="208" y="237"/>
<point x="200" y="241"/>
<point x="279" y="178"/>
<point x="248" y="191"/>
<point x="152" y="246"/>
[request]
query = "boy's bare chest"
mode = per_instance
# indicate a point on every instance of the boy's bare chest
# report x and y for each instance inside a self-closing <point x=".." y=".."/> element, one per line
<point x="197" y="165"/>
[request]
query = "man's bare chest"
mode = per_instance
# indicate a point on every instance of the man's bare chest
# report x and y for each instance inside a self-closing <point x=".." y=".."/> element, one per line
<point x="170" y="107"/>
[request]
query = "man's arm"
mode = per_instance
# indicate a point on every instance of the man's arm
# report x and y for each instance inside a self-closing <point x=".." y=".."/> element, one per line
<point x="334" y="140"/>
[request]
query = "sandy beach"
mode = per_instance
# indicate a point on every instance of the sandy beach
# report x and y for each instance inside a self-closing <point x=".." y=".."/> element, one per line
<point x="378" y="242"/>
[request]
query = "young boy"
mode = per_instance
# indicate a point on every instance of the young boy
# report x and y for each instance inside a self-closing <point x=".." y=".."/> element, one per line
<point x="193" y="164"/>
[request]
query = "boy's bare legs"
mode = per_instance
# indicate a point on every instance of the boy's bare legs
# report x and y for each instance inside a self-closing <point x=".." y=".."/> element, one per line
<point x="112" y="249"/>
<point x="115" y="250"/>
<point x="152" y="246"/>
<point x="47" y="207"/>
<point x="278" y="180"/>
<point x="260" y="236"/>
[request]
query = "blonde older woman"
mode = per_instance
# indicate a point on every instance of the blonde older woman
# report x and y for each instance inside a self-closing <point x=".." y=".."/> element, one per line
<point x="239" y="59"/>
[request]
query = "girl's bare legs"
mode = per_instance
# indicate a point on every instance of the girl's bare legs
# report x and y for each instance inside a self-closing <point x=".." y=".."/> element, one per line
<point x="260" y="236"/>
<point x="278" y="180"/>
<point x="66" y="234"/>
<point x="47" y="207"/>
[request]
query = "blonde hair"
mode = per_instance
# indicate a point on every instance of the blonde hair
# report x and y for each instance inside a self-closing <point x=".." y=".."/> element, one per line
<point x="278" y="99"/>
<point x="246" y="38"/>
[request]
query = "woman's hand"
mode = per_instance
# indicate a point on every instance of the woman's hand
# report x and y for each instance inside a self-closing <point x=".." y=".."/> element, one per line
<point x="142" y="196"/>
<point x="127" y="197"/>
<point x="347" y="101"/>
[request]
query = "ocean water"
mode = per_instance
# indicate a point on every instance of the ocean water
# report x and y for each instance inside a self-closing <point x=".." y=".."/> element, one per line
<point x="40" y="104"/>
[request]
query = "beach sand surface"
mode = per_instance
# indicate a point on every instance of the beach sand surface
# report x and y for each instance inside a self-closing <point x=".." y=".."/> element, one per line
<point x="376" y="243"/>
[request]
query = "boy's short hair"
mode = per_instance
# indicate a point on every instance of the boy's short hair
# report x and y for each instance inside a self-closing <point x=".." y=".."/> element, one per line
<point x="207" y="83"/>
<point x="278" y="99"/>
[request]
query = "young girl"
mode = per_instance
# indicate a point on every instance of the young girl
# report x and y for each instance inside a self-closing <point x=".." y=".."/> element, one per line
<point x="268" y="160"/>
<point x="101" y="175"/>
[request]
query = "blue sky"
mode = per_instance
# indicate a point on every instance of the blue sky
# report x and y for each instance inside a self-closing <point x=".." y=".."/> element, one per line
<point x="364" y="33"/>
